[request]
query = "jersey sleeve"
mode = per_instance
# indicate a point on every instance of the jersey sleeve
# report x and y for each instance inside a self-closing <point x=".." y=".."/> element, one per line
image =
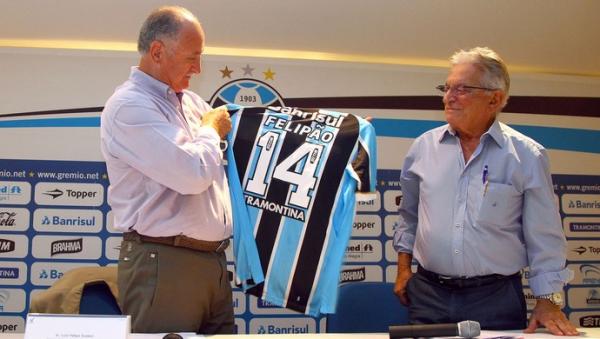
<point x="246" y="259"/>
<point x="365" y="162"/>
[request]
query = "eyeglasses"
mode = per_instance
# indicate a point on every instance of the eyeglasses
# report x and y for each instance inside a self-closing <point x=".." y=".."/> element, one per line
<point x="461" y="89"/>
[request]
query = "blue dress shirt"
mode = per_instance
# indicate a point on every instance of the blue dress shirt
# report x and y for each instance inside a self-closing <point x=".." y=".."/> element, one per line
<point x="497" y="213"/>
<point x="165" y="169"/>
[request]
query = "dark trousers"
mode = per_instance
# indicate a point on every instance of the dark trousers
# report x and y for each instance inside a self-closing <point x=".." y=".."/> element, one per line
<point x="174" y="289"/>
<point x="497" y="304"/>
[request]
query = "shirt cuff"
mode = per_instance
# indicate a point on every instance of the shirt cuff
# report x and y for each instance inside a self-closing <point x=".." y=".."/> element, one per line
<point x="404" y="242"/>
<point x="546" y="283"/>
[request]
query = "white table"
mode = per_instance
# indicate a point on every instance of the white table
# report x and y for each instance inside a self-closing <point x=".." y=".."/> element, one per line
<point x="586" y="333"/>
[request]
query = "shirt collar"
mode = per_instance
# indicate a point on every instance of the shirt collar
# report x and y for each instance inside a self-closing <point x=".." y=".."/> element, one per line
<point x="494" y="132"/>
<point x="153" y="85"/>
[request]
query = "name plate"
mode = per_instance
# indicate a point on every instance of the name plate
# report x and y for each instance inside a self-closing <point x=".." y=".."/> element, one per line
<point x="77" y="326"/>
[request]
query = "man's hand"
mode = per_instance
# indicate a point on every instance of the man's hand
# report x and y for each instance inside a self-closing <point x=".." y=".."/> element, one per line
<point x="547" y="314"/>
<point x="400" y="286"/>
<point x="404" y="274"/>
<point x="218" y="119"/>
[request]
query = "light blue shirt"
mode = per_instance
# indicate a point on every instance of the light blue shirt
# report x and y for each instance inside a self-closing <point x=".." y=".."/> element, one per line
<point x="497" y="213"/>
<point x="165" y="169"/>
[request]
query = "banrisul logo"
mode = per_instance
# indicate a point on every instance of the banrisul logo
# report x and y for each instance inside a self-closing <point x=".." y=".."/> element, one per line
<point x="246" y="92"/>
<point x="6" y="245"/>
<point x="66" y="246"/>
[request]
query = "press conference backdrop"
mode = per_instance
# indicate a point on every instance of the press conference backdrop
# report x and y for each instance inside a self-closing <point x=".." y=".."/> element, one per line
<point x="53" y="183"/>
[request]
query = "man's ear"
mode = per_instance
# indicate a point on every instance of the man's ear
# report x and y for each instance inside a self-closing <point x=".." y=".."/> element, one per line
<point x="496" y="99"/>
<point x="157" y="50"/>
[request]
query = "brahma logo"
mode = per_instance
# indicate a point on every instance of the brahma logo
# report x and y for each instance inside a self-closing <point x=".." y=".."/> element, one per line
<point x="6" y="245"/>
<point x="356" y="274"/>
<point x="590" y="321"/>
<point x="66" y="246"/>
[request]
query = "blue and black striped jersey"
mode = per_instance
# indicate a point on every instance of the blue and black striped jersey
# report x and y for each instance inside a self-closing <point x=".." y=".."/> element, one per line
<point x="293" y="176"/>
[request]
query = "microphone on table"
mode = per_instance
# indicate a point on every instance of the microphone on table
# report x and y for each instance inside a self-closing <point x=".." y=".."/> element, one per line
<point x="464" y="329"/>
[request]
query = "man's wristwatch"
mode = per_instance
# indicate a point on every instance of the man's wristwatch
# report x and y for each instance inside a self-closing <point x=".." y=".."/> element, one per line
<point x="555" y="298"/>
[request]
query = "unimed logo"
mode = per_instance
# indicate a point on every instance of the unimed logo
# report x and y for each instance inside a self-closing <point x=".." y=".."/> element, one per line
<point x="6" y="245"/>
<point x="66" y="246"/>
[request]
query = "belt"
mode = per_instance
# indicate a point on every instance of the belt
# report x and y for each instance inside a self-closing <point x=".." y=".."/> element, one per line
<point x="180" y="241"/>
<point x="463" y="282"/>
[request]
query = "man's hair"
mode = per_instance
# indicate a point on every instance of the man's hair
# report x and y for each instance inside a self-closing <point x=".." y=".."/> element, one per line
<point x="163" y="23"/>
<point x="495" y="73"/>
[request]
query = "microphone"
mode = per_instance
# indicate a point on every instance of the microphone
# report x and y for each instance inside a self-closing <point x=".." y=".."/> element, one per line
<point x="464" y="329"/>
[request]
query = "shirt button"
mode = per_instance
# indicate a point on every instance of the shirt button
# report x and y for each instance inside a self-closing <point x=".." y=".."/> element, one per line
<point x="457" y="225"/>
<point x="456" y="251"/>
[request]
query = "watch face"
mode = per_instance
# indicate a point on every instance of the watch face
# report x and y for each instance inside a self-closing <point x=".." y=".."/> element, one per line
<point x="557" y="298"/>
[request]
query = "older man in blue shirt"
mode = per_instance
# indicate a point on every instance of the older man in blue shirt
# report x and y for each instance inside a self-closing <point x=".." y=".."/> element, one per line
<point x="478" y="206"/>
<point x="168" y="191"/>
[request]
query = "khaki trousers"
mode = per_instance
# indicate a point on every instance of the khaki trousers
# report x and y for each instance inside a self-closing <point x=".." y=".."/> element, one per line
<point x="174" y="289"/>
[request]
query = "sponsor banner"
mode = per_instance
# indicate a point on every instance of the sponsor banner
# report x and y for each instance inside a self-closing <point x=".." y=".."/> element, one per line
<point x="525" y="276"/>
<point x="67" y="220"/>
<point x="530" y="299"/>
<point x="15" y="193"/>
<point x="357" y="273"/>
<point x="113" y="246"/>
<point x="366" y="225"/>
<point x="282" y="325"/>
<point x="584" y="297"/>
<point x="585" y="319"/>
<point x="363" y="251"/>
<point x="239" y="302"/>
<point x="390" y="222"/>
<point x="70" y="194"/>
<point x="239" y="325"/>
<point x="12" y="300"/>
<point x="66" y="247"/>
<point x="231" y="277"/>
<point x="13" y="273"/>
<point x="110" y="223"/>
<point x="12" y="325"/>
<point x="581" y="204"/>
<point x="14" y="219"/>
<point x="581" y="227"/>
<point x="47" y="273"/>
<point x="585" y="274"/>
<point x="391" y="200"/>
<point x="583" y="250"/>
<point x="370" y="205"/>
<point x="392" y="270"/>
<point x="323" y="325"/>
<point x="258" y="306"/>
<point x="390" y="253"/>
<point x="13" y="246"/>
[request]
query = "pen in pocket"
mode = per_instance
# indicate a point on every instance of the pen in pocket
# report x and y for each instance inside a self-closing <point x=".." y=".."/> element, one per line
<point x="484" y="179"/>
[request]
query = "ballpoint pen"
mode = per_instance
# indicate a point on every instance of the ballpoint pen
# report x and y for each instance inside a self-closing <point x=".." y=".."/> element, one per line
<point x="484" y="179"/>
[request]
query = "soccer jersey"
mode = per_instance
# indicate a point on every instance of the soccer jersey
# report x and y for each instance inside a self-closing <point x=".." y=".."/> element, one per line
<point x="294" y="174"/>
